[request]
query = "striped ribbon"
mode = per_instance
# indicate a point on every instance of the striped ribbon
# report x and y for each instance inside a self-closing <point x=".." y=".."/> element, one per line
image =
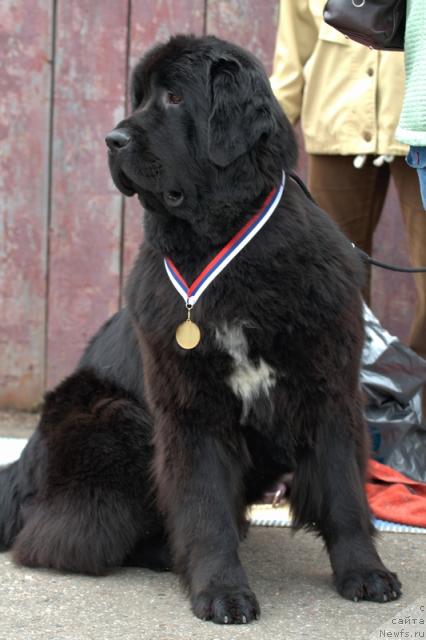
<point x="191" y="293"/>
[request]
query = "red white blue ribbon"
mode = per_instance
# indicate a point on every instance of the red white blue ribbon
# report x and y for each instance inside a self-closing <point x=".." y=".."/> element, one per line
<point x="191" y="293"/>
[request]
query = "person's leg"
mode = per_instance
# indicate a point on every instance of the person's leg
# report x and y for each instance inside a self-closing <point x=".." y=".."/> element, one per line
<point x="417" y="159"/>
<point x="407" y="185"/>
<point x="352" y="197"/>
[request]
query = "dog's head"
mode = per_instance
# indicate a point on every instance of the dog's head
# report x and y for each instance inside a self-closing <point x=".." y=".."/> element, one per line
<point x="202" y="109"/>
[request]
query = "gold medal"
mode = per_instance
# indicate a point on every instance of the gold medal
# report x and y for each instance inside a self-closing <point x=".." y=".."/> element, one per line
<point x="188" y="335"/>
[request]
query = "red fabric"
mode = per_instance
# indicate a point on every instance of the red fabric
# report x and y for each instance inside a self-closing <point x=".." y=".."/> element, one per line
<point x="394" y="497"/>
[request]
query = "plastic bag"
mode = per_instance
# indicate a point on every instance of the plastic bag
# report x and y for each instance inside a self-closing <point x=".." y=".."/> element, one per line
<point x="393" y="377"/>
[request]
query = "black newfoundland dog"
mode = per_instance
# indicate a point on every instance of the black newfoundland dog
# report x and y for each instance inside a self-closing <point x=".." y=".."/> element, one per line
<point x="150" y="453"/>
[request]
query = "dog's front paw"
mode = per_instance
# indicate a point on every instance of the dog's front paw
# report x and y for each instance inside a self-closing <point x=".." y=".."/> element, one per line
<point x="226" y="605"/>
<point x="378" y="585"/>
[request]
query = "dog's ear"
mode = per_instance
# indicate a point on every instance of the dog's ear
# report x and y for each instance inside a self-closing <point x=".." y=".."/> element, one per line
<point x="240" y="109"/>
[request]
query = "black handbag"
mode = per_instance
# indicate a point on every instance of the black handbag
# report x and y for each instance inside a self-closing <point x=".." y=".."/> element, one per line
<point x="378" y="24"/>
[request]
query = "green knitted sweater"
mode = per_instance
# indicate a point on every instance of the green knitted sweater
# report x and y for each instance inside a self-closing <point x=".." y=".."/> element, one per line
<point x="412" y="124"/>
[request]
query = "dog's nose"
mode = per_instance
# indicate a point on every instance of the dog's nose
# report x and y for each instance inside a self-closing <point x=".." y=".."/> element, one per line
<point x="117" y="139"/>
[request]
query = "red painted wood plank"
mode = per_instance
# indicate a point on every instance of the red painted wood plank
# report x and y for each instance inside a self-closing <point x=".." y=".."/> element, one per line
<point x="250" y="23"/>
<point x="25" y="74"/>
<point x="152" y="23"/>
<point x="85" y="234"/>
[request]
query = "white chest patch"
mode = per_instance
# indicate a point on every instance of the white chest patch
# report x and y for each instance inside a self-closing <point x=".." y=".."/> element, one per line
<point x="248" y="380"/>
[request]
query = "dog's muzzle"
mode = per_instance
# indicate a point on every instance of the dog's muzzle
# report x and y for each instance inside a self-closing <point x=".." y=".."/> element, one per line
<point x="117" y="139"/>
<point x="132" y="166"/>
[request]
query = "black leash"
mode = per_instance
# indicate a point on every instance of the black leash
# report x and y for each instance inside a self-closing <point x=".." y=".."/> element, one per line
<point x="364" y="256"/>
<point x="385" y="265"/>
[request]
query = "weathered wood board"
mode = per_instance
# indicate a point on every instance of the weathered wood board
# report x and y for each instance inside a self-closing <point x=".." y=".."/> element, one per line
<point x="25" y="80"/>
<point x="67" y="237"/>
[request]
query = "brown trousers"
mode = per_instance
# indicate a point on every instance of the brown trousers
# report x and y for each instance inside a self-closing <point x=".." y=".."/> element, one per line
<point x="354" y="198"/>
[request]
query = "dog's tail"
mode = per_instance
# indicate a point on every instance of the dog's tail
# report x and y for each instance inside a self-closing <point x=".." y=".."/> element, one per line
<point x="10" y="503"/>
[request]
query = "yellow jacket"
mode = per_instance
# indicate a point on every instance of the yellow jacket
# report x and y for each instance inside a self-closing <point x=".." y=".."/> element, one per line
<point x="349" y="97"/>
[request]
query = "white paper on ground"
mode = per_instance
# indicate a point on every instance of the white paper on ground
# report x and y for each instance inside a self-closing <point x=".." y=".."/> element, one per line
<point x="10" y="449"/>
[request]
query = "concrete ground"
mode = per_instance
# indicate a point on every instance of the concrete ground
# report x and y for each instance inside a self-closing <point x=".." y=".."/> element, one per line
<point x="290" y="575"/>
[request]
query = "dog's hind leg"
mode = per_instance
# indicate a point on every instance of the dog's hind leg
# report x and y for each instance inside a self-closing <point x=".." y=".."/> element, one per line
<point x="18" y="483"/>
<point x="328" y="495"/>
<point x="10" y="520"/>
<point x="86" y="532"/>
<point x="92" y="503"/>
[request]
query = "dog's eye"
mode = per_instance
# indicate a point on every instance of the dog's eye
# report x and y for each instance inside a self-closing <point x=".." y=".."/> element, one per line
<point x="173" y="98"/>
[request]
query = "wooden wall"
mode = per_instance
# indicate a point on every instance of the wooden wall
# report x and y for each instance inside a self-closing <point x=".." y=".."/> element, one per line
<point x="67" y="237"/>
